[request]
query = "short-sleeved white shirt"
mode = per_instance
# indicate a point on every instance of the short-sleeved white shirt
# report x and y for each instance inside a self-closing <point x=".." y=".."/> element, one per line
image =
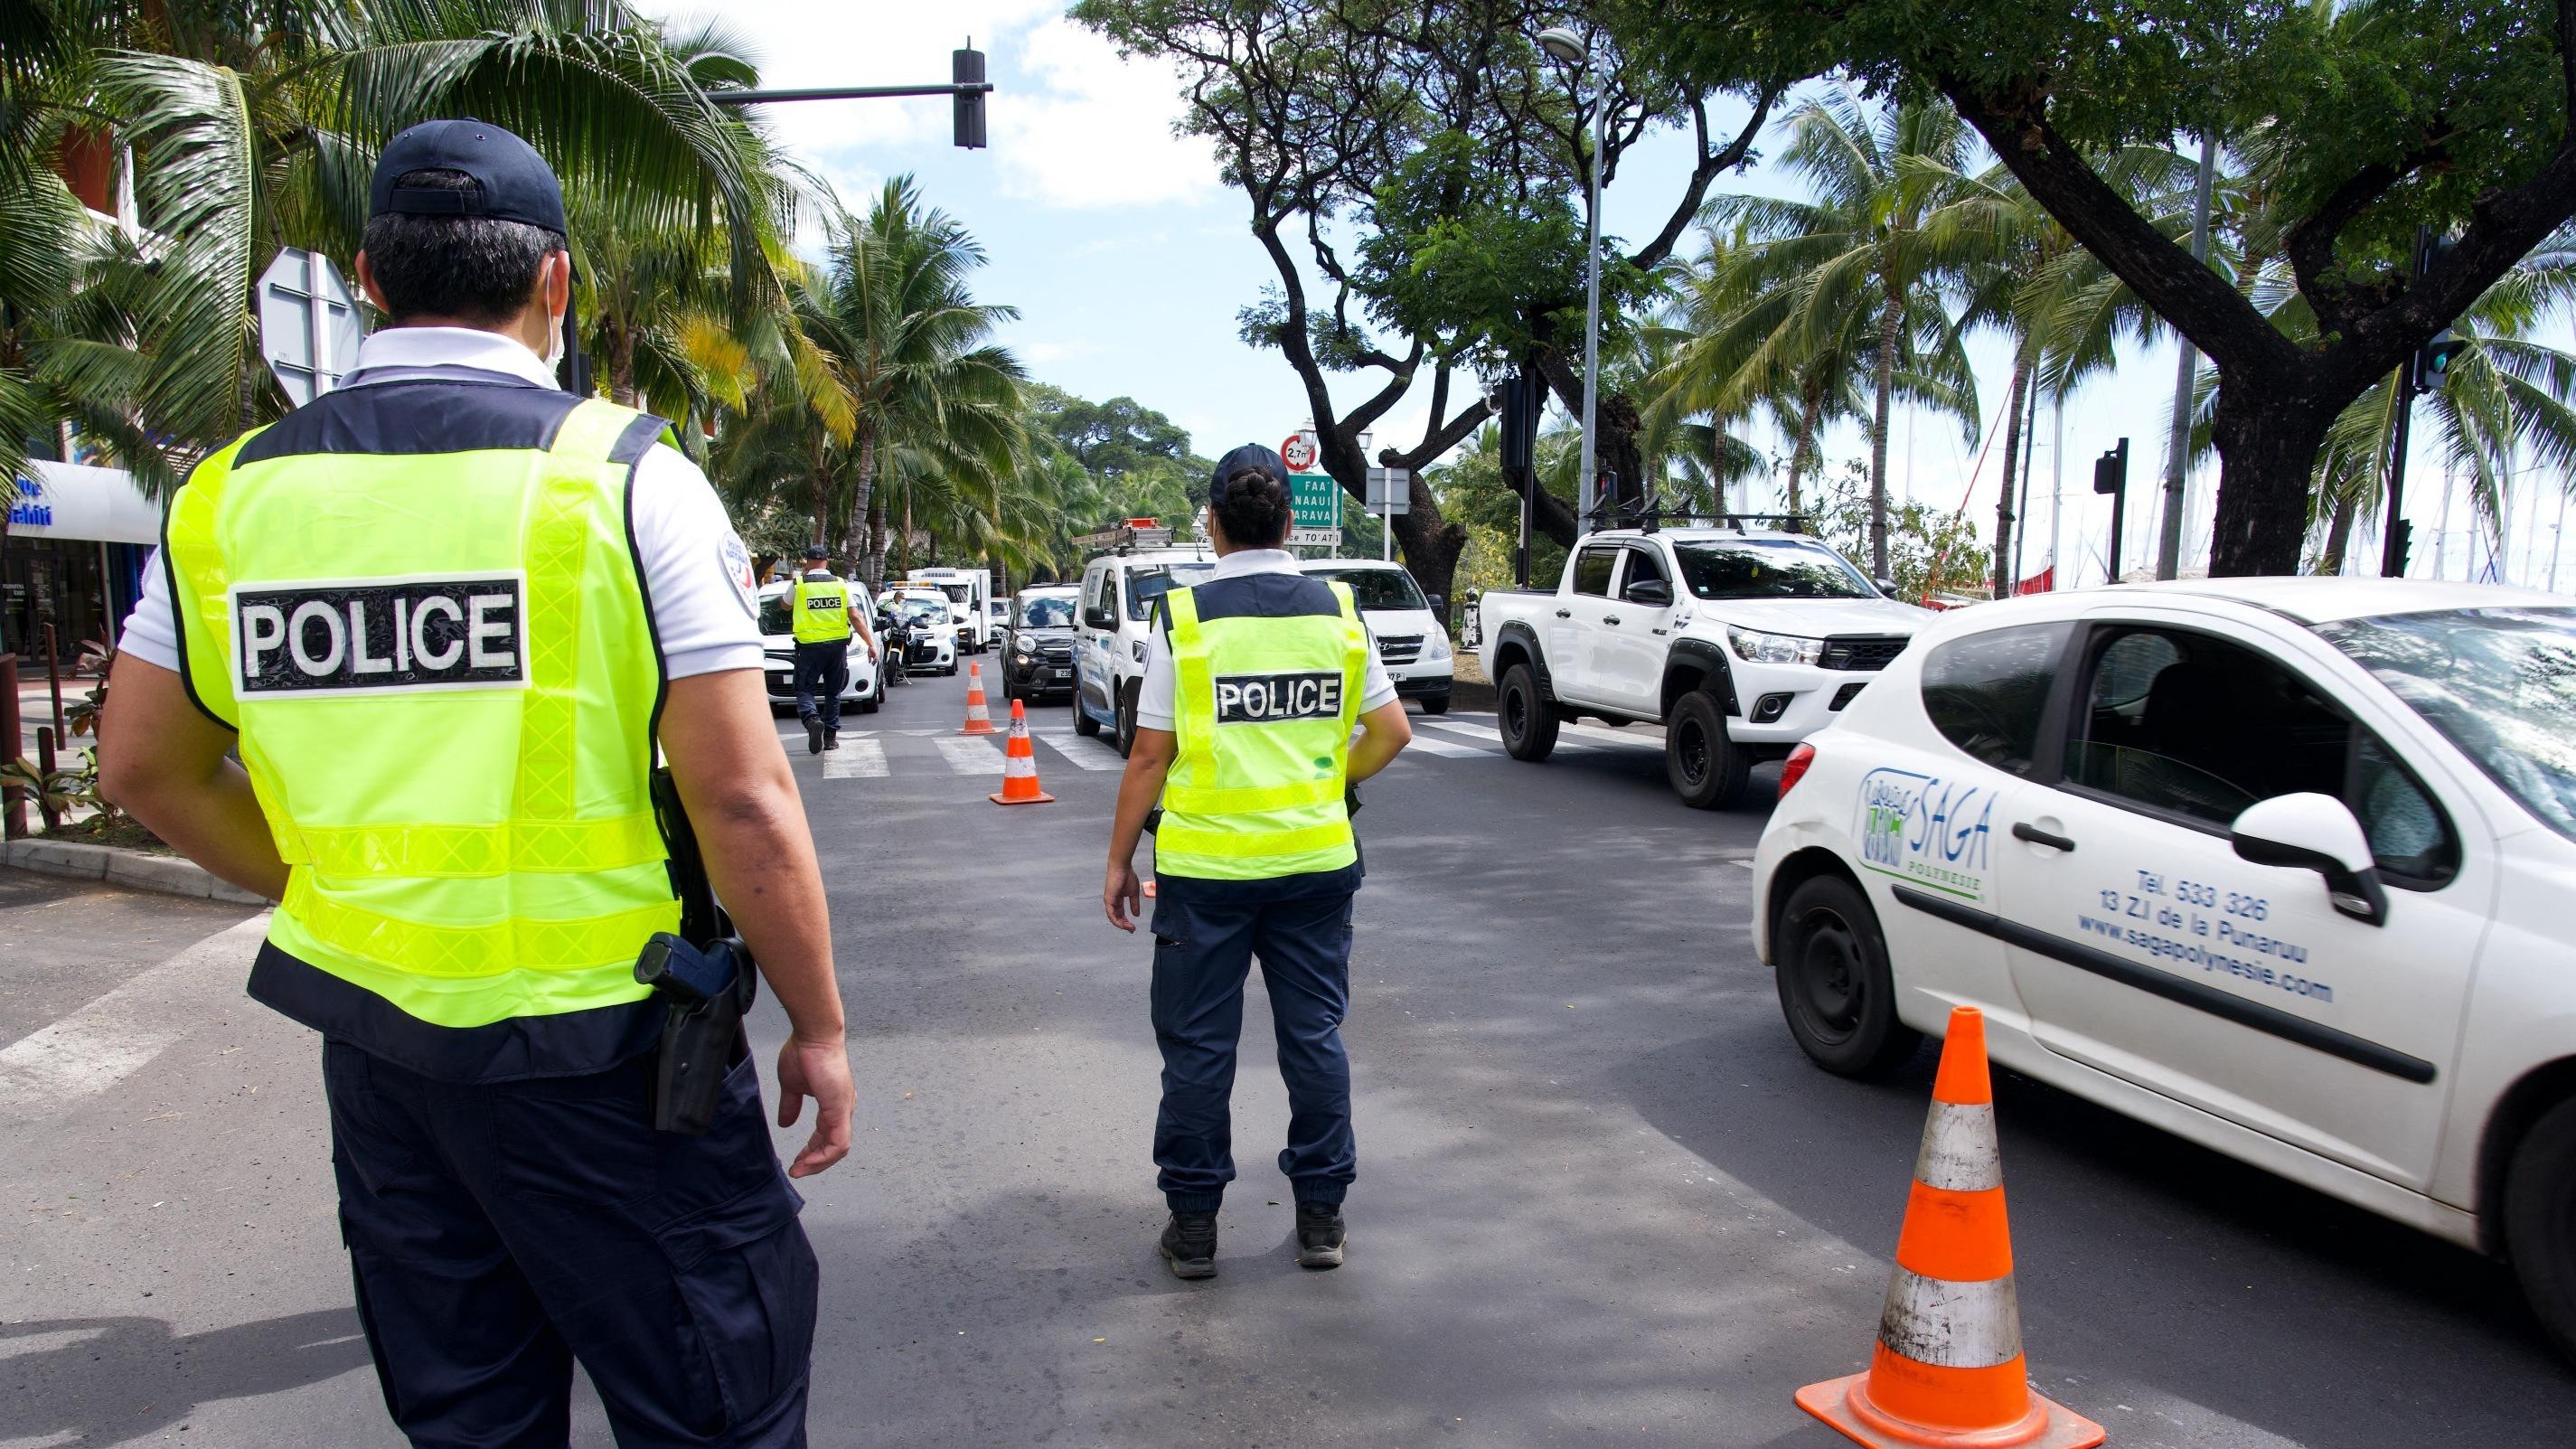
<point x="1154" y="709"/>
<point x="697" y="573"/>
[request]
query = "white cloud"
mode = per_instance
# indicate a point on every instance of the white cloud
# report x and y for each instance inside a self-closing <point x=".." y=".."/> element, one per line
<point x="1097" y="131"/>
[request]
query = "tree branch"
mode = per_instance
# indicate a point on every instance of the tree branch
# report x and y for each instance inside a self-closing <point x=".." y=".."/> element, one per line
<point x="1710" y="167"/>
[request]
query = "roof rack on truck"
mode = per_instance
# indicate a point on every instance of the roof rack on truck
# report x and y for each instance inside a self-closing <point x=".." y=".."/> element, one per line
<point x="1127" y="537"/>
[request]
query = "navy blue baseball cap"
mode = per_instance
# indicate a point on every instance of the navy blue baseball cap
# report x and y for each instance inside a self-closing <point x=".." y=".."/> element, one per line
<point x="1249" y="456"/>
<point x="511" y="181"/>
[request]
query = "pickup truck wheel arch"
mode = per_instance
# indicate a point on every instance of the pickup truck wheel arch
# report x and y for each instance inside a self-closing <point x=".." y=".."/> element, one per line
<point x="1698" y="664"/>
<point x="1518" y="643"/>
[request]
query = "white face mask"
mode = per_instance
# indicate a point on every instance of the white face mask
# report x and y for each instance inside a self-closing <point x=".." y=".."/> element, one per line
<point x="555" y="349"/>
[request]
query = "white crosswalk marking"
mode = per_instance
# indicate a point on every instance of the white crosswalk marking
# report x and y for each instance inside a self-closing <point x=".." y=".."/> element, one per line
<point x="1447" y="749"/>
<point x="103" y="1043"/>
<point x="972" y="755"/>
<point x="1081" y="753"/>
<point x="859" y="758"/>
<point x="1478" y="732"/>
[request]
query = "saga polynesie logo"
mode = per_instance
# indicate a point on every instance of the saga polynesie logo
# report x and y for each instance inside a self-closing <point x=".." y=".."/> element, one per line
<point x="1925" y="829"/>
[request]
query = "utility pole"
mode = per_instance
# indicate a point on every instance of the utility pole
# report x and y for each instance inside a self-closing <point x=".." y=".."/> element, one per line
<point x="2186" y="380"/>
<point x="966" y="84"/>
<point x="2111" y="476"/>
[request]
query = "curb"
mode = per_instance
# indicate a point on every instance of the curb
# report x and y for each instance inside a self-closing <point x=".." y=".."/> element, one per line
<point x="169" y="875"/>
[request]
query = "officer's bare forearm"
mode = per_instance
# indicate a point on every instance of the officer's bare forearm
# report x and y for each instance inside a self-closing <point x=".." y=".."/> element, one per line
<point x="164" y="763"/>
<point x="1149" y="760"/>
<point x="1384" y="731"/>
<point x="742" y="801"/>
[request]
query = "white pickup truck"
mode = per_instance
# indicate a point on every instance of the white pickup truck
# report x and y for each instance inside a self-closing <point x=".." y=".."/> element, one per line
<point x="1740" y="641"/>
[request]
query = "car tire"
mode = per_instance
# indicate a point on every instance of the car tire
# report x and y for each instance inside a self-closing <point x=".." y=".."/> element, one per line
<point x="2540" y="1221"/>
<point x="1708" y="770"/>
<point x="1127" y="718"/>
<point x="1527" y="722"/>
<point x="1085" y="723"/>
<point x="1435" y="704"/>
<point x="868" y="705"/>
<point x="1830" y="968"/>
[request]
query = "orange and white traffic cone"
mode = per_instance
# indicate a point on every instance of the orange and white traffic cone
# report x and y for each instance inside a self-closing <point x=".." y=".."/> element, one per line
<point x="1020" y="765"/>
<point x="979" y="720"/>
<point x="1947" y="1372"/>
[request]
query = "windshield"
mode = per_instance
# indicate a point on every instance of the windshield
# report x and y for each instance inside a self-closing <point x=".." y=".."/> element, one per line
<point x="956" y="592"/>
<point x="2498" y="683"/>
<point x="774" y="618"/>
<point x="1768" y="569"/>
<point x="1380" y="589"/>
<point x="1053" y="613"/>
<point x="922" y="611"/>
<point x="1149" y="582"/>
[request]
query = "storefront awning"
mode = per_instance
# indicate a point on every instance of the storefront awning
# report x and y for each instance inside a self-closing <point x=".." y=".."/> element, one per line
<point x="74" y="501"/>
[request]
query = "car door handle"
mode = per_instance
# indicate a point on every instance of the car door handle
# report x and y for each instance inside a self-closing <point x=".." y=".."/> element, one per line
<point x="2024" y="830"/>
<point x="1565" y="613"/>
<point x="1609" y="618"/>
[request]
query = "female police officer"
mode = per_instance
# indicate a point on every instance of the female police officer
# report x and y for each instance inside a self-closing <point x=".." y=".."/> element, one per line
<point x="1252" y="684"/>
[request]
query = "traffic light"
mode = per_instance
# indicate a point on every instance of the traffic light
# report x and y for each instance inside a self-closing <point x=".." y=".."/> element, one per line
<point x="2392" y="558"/>
<point x="2433" y="364"/>
<point x="2111" y="470"/>
<point x="966" y="68"/>
<point x="1520" y="423"/>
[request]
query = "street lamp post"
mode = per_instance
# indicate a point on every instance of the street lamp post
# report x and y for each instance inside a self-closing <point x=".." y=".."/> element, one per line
<point x="1567" y="46"/>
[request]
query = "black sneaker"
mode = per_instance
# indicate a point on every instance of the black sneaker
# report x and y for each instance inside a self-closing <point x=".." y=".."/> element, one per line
<point x="1189" y="1245"/>
<point x="813" y="737"/>
<point x="831" y="739"/>
<point x="1320" y="1235"/>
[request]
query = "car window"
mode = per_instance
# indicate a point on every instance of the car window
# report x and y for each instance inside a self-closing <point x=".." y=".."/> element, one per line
<point x="1097" y="591"/>
<point x="1592" y="570"/>
<point x="1380" y="589"/>
<point x="2409" y="838"/>
<point x="1768" y="568"/>
<point x="774" y="617"/>
<point x="1985" y="693"/>
<point x="1642" y="564"/>
<point x="1147" y="583"/>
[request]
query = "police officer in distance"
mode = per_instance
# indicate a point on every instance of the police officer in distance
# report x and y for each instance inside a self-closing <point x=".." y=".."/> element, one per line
<point x="1253" y="681"/>
<point x="496" y="599"/>
<point x="822" y="611"/>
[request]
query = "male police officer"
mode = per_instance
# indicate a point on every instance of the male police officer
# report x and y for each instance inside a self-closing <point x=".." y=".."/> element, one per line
<point x="444" y="613"/>
<point x="1253" y="681"/>
<point x="822" y="612"/>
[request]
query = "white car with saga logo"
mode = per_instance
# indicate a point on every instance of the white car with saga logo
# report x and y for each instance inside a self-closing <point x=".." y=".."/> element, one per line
<point x="2283" y="866"/>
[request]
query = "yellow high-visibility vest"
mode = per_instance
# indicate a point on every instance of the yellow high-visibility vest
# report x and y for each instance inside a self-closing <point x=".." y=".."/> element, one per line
<point x="820" y="610"/>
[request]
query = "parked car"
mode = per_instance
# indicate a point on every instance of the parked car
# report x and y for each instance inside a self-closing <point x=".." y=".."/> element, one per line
<point x="778" y="652"/>
<point x="1741" y="641"/>
<point x="2283" y="866"/>
<point x="1410" y="628"/>
<point x="1116" y="607"/>
<point x="932" y="626"/>
<point x="1037" y="643"/>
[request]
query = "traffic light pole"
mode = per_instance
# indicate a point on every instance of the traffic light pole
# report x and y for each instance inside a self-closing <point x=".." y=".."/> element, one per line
<point x="967" y="84"/>
<point x="2397" y="535"/>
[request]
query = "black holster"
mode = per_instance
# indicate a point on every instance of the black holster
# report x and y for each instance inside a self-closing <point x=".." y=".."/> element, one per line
<point x="702" y="1042"/>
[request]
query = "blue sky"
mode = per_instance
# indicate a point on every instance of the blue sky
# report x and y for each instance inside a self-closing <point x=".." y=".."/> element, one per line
<point x="1128" y="260"/>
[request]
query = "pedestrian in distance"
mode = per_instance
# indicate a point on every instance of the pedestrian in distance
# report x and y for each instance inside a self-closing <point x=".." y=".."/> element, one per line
<point x="822" y="611"/>
<point x="1253" y="683"/>
<point x="445" y="614"/>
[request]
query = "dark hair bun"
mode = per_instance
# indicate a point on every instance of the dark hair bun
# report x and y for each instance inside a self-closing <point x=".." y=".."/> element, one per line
<point x="1253" y="509"/>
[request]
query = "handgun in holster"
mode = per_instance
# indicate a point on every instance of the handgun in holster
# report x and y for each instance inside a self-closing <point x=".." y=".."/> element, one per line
<point x="704" y="976"/>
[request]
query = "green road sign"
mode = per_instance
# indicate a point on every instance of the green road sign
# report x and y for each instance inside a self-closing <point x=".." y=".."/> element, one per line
<point x="1314" y="501"/>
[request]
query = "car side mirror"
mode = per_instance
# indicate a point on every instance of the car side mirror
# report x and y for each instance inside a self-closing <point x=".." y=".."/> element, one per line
<point x="1653" y="593"/>
<point x="2308" y="831"/>
<point x="1096" y="617"/>
<point x="1440" y="607"/>
<point x="1885" y="586"/>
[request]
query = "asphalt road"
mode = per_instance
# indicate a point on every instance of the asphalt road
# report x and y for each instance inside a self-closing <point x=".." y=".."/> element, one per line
<point x="1602" y="1199"/>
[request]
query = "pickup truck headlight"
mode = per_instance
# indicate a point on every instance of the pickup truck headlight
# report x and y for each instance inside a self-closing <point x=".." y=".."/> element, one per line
<point x="1755" y="647"/>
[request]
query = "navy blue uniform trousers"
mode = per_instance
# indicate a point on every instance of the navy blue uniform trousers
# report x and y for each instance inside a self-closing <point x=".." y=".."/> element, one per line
<point x="822" y="672"/>
<point x="498" y="1232"/>
<point x="1202" y="954"/>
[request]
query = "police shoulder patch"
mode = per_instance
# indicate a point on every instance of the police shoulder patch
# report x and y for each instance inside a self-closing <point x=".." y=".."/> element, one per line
<point x="380" y="636"/>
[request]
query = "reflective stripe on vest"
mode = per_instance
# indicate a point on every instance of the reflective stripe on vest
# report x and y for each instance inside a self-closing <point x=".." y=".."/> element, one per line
<point x="444" y="676"/>
<point x="1262" y="712"/>
<point x="820" y="610"/>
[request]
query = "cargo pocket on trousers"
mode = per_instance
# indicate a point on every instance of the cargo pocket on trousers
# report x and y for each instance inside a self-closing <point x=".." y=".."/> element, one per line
<point x="747" y="1276"/>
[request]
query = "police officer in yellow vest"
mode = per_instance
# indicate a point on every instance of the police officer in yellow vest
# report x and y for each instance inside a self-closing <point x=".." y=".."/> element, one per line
<point x="1254" y="682"/>
<point x="822" y="611"/>
<point x="445" y="613"/>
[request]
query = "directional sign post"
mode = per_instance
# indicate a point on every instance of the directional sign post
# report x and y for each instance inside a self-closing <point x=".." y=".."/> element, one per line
<point x="308" y="324"/>
<point x="1390" y="492"/>
<point x="1314" y="510"/>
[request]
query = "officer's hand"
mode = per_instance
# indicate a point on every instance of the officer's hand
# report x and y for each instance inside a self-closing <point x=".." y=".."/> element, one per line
<point x="1123" y="898"/>
<point x="820" y="1070"/>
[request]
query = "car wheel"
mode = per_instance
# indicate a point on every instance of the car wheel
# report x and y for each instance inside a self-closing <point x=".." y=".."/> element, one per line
<point x="1127" y="719"/>
<point x="2540" y="1221"/>
<point x="1527" y="723"/>
<point x="1835" y="988"/>
<point x="868" y="705"/>
<point x="1435" y="704"/>
<point x="1707" y="769"/>
<point x="1085" y="723"/>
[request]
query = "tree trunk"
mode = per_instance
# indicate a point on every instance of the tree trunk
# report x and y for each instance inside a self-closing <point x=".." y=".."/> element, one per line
<point x="1429" y="544"/>
<point x="1801" y="451"/>
<point x="2004" y="579"/>
<point x="621" y="366"/>
<point x="1615" y="451"/>
<point x="859" y="539"/>
<point x="2338" y="537"/>
<point x="2267" y="449"/>
<point x="1891" y="328"/>
<point x="875" y="569"/>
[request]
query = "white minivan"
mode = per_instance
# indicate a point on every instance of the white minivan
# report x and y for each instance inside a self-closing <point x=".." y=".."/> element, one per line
<point x="1411" y="630"/>
<point x="1117" y="609"/>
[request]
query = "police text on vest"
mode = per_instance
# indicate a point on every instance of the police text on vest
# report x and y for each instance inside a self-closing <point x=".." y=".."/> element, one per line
<point x="381" y="635"/>
<point x="1277" y="698"/>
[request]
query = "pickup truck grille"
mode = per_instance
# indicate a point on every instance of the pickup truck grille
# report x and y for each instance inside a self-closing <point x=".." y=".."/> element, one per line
<point x="1862" y="651"/>
<point x="1399" y="648"/>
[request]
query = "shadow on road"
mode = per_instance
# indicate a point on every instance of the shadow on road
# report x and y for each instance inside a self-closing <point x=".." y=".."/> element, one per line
<point x="110" y="1380"/>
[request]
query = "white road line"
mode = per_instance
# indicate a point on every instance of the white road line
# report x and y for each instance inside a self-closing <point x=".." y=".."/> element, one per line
<point x="50" y="1070"/>
<point x="859" y="758"/>
<point x="1447" y="749"/>
<point x="1083" y="754"/>
<point x="971" y="755"/>
<point x="1610" y="736"/>
<point x="1564" y="746"/>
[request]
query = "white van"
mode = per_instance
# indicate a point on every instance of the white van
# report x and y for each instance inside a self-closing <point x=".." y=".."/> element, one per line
<point x="1411" y="631"/>
<point x="970" y="593"/>
<point x="1117" y="610"/>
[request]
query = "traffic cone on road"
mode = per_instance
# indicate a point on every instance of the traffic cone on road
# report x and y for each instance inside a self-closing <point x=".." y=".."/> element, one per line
<point x="1947" y="1372"/>
<point x="1019" y="765"/>
<point x="979" y="720"/>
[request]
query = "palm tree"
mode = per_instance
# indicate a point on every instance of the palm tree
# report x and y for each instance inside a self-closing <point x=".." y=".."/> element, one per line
<point x="1853" y="261"/>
